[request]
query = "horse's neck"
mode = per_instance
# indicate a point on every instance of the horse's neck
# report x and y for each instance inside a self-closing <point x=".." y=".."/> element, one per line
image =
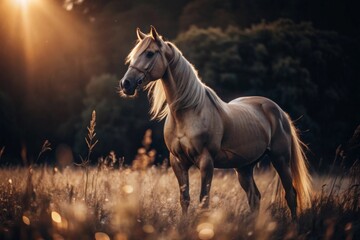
<point x="178" y="87"/>
<point x="169" y="86"/>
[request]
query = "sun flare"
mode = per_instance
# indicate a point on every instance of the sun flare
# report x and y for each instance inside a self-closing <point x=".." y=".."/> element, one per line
<point x="22" y="3"/>
<point x="35" y="27"/>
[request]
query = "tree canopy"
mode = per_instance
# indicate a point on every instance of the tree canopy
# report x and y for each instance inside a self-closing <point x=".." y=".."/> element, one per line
<point x="66" y="60"/>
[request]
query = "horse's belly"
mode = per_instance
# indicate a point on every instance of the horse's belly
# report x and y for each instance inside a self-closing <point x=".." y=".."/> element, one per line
<point x="228" y="159"/>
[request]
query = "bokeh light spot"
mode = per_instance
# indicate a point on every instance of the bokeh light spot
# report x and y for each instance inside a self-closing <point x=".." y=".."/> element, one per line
<point x="205" y="230"/>
<point x="128" y="189"/>
<point x="120" y="236"/>
<point x="101" y="236"/>
<point x="26" y="220"/>
<point x="206" y="234"/>
<point x="56" y="217"/>
<point x="148" y="228"/>
<point x="271" y="226"/>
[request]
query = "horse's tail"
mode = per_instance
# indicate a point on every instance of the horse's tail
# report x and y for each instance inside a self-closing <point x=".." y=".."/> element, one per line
<point x="299" y="168"/>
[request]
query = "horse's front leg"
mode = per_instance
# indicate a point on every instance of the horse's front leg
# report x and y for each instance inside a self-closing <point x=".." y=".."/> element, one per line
<point x="182" y="175"/>
<point x="206" y="165"/>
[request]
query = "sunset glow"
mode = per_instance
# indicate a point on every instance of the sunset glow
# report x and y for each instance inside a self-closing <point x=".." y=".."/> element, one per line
<point x="22" y="3"/>
<point x="37" y="28"/>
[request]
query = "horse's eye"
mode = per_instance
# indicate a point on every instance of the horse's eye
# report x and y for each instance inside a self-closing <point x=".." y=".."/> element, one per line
<point x="149" y="54"/>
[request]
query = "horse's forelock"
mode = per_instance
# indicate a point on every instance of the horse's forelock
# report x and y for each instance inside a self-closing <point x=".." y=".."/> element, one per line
<point x="139" y="48"/>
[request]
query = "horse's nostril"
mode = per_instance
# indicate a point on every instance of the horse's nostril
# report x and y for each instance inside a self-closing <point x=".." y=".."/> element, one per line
<point x="139" y="82"/>
<point x="126" y="84"/>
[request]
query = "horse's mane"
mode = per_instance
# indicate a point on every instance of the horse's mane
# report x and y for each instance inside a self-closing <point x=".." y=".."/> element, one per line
<point x="191" y="91"/>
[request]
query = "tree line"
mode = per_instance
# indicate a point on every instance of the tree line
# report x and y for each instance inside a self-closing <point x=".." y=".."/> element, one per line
<point x="300" y="55"/>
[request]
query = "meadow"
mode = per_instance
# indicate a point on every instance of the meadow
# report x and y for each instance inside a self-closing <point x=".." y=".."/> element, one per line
<point x="111" y="201"/>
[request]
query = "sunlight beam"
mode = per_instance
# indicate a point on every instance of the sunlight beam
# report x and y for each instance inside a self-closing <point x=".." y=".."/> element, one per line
<point x="22" y="3"/>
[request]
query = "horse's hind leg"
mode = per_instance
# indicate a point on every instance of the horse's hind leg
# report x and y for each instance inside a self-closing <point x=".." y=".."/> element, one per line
<point x="182" y="175"/>
<point x="246" y="179"/>
<point x="282" y="166"/>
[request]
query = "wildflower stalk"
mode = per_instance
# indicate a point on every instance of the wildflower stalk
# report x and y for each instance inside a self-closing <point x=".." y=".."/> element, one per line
<point x="2" y="150"/>
<point x="90" y="142"/>
<point x="45" y="147"/>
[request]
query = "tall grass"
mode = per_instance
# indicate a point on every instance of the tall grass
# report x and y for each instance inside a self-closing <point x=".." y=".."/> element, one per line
<point x="144" y="204"/>
<point x="2" y="150"/>
<point x="45" y="147"/>
<point x="91" y="143"/>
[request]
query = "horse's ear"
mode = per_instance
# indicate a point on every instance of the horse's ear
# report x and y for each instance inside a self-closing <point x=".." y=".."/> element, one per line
<point x="154" y="34"/>
<point x="140" y="34"/>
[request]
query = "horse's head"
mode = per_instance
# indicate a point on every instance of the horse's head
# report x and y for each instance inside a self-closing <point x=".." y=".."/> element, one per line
<point x="147" y="62"/>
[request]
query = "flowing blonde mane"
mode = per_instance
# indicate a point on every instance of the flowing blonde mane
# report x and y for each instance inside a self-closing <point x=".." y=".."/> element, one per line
<point x="191" y="92"/>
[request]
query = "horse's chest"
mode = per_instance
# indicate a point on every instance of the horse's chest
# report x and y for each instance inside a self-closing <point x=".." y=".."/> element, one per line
<point x="183" y="146"/>
<point x="185" y="140"/>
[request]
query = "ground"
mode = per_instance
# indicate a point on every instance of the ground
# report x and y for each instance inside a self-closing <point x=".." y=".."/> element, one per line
<point x="121" y="203"/>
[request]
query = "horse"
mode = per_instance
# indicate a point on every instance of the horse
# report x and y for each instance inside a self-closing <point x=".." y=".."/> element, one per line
<point x="203" y="131"/>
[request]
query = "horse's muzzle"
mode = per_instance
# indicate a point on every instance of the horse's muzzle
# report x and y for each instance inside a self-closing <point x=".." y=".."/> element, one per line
<point x="127" y="87"/>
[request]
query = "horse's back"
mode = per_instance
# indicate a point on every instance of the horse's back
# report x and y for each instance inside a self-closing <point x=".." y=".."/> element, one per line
<point x="253" y="100"/>
<point x="261" y="107"/>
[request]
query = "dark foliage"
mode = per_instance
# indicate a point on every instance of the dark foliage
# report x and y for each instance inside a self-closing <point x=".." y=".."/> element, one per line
<point x="311" y="70"/>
